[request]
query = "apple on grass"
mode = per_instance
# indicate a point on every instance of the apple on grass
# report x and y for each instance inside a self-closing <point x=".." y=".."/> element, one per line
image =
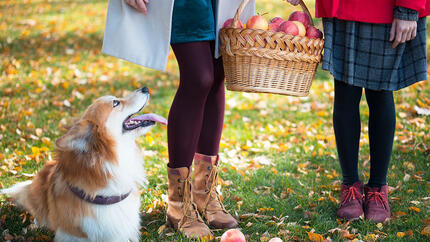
<point x="257" y="22"/>
<point x="301" y="17"/>
<point x="276" y="239"/>
<point x="228" y="23"/>
<point x="233" y="235"/>
<point x="313" y="33"/>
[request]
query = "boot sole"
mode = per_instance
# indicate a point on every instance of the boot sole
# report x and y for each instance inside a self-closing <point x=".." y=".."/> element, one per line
<point x="170" y="224"/>
<point x="361" y="217"/>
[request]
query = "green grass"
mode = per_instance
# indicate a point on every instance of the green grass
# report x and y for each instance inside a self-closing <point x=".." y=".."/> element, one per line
<point x="280" y="172"/>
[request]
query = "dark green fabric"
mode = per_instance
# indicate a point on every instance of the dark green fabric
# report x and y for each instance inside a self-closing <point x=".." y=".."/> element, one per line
<point x="193" y="20"/>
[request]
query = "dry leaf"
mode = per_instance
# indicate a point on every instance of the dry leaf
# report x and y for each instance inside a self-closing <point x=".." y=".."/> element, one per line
<point x="426" y="231"/>
<point x="315" y="237"/>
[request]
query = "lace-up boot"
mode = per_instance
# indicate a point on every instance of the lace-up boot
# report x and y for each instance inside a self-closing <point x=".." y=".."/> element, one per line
<point x="182" y="212"/>
<point x="205" y="194"/>
<point x="376" y="207"/>
<point x="351" y="201"/>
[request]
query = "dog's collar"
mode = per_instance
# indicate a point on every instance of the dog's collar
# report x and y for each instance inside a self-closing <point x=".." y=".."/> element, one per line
<point x="99" y="200"/>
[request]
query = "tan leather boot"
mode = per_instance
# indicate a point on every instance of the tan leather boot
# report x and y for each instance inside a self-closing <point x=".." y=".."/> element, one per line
<point x="205" y="195"/>
<point x="182" y="213"/>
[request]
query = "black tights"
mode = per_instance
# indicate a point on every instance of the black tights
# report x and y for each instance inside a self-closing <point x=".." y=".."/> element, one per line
<point x="197" y="114"/>
<point x="347" y="128"/>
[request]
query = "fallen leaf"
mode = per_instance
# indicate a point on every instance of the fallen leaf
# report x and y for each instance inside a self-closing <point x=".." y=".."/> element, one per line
<point x="415" y="209"/>
<point x="315" y="237"/>
<point x="426" y="231"/>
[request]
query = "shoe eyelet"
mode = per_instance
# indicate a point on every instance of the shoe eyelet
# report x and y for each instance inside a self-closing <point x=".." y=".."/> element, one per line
<point x="207" y="175"/>
<point x="209" y="168"/>
<point x="179" y="179"/>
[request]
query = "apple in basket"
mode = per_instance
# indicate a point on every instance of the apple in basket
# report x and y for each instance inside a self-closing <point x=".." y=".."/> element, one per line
<point x="301" y="17"/>
<point x="302" y="28"/>
<point x="289" y="27"/>
<point x="228" y="23"/>
<point x="274" y="23"/>
<point x="313" y="33"/>
<point x="257" y="22"/>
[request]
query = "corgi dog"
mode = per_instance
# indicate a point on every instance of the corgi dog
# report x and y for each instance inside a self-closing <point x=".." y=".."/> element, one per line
<point x="91" y="191"/>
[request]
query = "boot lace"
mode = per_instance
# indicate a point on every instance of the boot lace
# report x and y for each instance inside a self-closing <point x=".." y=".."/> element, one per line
<point x="211" y="184"/>
<point x="189" y="209"/>
<point x="352" y="194"/>
<point x="378" y="197"/>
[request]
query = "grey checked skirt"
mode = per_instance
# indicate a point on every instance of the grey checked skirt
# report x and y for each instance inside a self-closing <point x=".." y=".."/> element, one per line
<point x="360" y="54"/>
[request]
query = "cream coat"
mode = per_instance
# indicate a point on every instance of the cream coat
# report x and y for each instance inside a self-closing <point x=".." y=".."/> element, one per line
<point x="145" y="39"/>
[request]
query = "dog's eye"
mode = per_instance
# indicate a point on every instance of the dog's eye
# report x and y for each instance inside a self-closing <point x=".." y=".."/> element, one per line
<point x="116" y="103"/>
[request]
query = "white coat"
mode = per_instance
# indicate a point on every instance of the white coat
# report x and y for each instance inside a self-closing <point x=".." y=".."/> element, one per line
<point x="145" y="39"/>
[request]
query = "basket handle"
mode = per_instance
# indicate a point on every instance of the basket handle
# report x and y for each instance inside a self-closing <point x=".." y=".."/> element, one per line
<point x="243" y="4"/>
<point x="306" y="10"/>
<point x="238" y="13"/>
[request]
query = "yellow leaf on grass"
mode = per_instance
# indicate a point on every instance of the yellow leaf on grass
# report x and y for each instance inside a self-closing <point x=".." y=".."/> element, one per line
<point x="415" y="209"/>
<point x="400" y="234"/>
<point x="315" y="237"/>
<point x="426" y="230"/>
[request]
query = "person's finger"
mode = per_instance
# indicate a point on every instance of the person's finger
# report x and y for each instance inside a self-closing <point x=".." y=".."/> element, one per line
<point x="399" y="38"/>
<point x="131" y="3"/>
<point x="141" y="6"/>
<point x="414" y="33"/>
<point x="409" y="35"/>
<point x="404" y="36"/>
<point x="393" y="31"/>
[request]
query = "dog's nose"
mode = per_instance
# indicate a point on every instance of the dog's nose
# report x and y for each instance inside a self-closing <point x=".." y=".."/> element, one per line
<point x="144" y="90"/>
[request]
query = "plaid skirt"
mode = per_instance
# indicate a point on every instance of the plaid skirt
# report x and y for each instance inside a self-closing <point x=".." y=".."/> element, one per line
<point x="360" y="54"/>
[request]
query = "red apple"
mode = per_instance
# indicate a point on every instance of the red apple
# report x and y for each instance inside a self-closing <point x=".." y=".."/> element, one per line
<point x="229" y="22"/>
<point x="233" y="235"/>
<point x="313" y="33"/>
<point x="257" y="22"/>
<point x="278" y="20"/>
<point x="301" y="17"/>
<point x="302" y="28"/>
<point x="274" y="26"/>
<point x="289" y="27"/>
<point x="276" y="239"/>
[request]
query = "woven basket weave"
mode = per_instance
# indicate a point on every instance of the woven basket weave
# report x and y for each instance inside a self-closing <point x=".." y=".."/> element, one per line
<point x="268" y="62"/>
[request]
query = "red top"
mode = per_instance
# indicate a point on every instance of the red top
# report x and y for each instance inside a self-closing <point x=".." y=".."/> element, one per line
<point x="370" y="11"/>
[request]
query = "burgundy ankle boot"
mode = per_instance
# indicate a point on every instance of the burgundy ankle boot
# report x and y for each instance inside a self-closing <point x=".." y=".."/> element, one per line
<point x="351" y="201"/>
<point x="376" y="207"/>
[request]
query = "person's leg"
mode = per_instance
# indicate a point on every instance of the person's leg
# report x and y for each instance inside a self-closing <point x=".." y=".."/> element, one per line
<point x="382" y="123"/>
<point x="347" y="127"/>
<point x="213" y="120"/>
<point x="183" y="131"/>
<point x="187" y="111"/>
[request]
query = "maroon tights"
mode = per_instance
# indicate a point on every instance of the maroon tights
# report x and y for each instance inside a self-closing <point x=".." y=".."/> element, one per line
<point x="197" y="114"/>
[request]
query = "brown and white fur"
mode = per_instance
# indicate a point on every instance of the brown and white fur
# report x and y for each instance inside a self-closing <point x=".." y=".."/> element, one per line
<point x="100" y="157"/>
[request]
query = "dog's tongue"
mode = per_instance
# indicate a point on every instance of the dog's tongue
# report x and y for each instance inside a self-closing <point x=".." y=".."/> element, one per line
<point x="152" y="117"/>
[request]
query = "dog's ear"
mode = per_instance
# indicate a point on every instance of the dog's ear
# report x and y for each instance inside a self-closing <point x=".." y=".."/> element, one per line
<point x="78" y="137"/>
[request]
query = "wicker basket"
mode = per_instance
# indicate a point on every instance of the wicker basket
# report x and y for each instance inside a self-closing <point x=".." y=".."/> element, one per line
<point x="268" y="62"/>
